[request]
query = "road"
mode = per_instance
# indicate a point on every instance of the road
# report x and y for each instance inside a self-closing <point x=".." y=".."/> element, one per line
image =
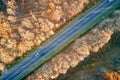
<point x="35" y="59"/>
<point x="2" y="6"/>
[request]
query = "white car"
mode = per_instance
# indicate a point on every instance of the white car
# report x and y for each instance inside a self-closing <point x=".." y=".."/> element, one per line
<point x="110" y="0"/>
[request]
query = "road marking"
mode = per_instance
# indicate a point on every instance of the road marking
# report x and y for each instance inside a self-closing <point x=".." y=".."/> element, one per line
<point x="108" y="8"/>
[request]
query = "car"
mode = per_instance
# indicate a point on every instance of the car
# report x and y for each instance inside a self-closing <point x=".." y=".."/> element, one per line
<point x="109" y="0"/>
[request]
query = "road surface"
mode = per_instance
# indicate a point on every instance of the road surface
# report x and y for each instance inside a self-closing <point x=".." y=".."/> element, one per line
<point x="32" y="61"/>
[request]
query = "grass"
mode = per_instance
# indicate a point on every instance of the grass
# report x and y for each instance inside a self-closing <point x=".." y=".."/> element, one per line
<point x="58" y="31"/>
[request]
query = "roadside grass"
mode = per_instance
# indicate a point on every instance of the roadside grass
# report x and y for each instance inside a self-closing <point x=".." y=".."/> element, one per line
<point x="57" y="32"/>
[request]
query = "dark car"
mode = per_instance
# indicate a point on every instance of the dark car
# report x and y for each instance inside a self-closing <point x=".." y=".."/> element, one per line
<point x="2" y="6"/>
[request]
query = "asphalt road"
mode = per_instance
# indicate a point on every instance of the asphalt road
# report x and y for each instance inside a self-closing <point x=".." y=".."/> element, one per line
<point x="27" y="65"/>
<point x="2" y="6"/>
